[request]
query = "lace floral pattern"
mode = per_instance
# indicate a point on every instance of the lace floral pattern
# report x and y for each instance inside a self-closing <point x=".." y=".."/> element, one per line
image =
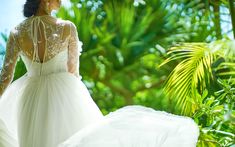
<point x="54" y="33"/>
<point x="11" y="56"/>
<point x="75" y="48"/>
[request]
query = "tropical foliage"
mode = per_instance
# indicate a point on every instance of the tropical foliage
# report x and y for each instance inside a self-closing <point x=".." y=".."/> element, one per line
<point x="202" y="85"/>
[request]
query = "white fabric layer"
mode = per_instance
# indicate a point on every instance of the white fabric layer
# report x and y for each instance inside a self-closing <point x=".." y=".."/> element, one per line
<point x="137" y="126"/>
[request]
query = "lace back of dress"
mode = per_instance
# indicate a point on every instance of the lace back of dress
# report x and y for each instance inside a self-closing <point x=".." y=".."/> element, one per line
<point x="39" y="39"/>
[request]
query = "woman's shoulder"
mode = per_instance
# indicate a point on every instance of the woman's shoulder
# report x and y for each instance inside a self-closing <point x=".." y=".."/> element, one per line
<point x="66" y="23"/>
<point x="18" y="28"/>
<point x="23" y="25"/>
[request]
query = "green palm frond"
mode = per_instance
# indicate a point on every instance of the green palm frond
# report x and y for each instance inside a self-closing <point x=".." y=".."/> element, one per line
<point x="194" y="68"/>
<point x="194" y="71"/>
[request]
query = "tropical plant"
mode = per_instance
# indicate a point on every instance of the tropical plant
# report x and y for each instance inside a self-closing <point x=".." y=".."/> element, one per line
<point x="202" y="64"/>
<point x="202" y="85"/>
<point x="216" y="116"/>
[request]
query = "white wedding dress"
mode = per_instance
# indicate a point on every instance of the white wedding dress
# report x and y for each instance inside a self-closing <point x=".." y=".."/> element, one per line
<point x="50" y="106"/>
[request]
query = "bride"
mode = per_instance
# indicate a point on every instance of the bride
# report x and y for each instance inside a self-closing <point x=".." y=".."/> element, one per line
<point x="49" y="106"/>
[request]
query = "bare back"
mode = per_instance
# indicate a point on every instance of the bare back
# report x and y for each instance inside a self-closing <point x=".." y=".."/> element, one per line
<point x="45" y="35"/>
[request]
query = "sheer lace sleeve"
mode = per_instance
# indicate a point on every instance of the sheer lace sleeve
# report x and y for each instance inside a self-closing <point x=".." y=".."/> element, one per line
<point x="74" y="51"/>
<point x="8" y="68"/>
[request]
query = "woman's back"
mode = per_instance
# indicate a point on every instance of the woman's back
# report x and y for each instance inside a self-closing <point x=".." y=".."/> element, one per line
<point x="45" y="35"/>
<point x="44" y="38"/>
<point x="38" y="39"/>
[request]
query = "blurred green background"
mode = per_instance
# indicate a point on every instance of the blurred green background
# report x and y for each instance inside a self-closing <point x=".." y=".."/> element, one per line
<point x="170" y="55"/>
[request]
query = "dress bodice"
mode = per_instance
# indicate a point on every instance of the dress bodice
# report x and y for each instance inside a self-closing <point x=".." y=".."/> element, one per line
<point x="45" y="44"/>
<point x="56" y="64"/>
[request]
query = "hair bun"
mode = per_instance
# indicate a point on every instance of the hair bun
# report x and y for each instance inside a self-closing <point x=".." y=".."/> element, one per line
<point x="31" y="7"/>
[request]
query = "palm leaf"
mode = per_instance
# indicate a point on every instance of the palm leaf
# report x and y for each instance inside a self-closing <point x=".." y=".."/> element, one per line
<point x="194" y="72"/>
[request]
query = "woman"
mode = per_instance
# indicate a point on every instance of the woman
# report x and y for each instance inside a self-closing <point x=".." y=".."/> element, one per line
<point x="50" y="106"/>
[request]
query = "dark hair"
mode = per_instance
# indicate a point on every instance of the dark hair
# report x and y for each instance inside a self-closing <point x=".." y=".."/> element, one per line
<point x="31" y="7"/>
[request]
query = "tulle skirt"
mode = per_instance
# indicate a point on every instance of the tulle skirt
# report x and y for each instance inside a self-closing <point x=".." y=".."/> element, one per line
<point x="43" y="111"/>
<point x="56" y="110"/>
<point x="137" y="126"/>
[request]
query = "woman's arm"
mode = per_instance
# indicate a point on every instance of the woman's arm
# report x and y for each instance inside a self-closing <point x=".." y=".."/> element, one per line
<point x="8" y="68"/>
<point x="74" y="51"/>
